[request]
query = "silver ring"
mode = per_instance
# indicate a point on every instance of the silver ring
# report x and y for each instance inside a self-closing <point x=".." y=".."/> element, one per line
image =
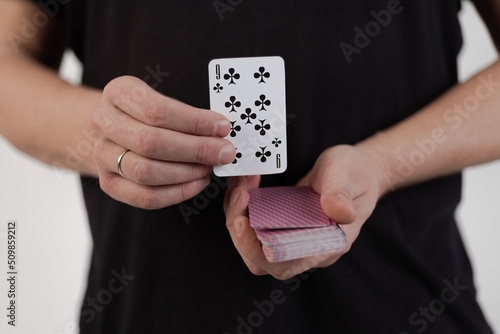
<point x="119" y="163"/>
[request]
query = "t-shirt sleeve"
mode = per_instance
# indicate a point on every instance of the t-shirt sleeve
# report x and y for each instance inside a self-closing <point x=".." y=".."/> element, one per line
<point x="48" y="9"/>
<point x="73" y="14"/>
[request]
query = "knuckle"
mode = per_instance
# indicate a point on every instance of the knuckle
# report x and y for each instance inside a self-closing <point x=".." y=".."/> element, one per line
<point x="107" y="184"/>
<point x="168" y="109"/>
<point x="100" y="121"/>
<point x="148" y="200"/>
<point x="118" y="90"/>
<point x="187" y="191"/>
<point x="197" y="172"/>
<point x="148" y="143"/>
<point x="96" y="120"/>
<point x="196" y="125"/>
<point x="184" y="192"/>
<point x="113" y="87"/>
<point x="283" y="275"/>
<point x="143" y="172"/>
<point x="202" y="125"/>
<point x="256" y="270"/>
<point x="202" y="152"/>
<point x="98" y="152"/>
<point x="153" y="113"/>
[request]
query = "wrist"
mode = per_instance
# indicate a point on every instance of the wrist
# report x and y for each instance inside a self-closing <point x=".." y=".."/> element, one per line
<point x="381" y="162"/>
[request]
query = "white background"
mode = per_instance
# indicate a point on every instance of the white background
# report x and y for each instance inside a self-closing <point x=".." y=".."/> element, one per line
<point x="54" y="241"/>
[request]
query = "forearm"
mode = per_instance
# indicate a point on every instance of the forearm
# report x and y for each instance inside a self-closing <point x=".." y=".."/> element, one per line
<point x="458" y="130"/>
<point x="44" y="116"/>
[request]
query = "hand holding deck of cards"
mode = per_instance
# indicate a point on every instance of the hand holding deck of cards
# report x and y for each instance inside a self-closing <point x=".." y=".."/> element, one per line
<point x="288" y="221"/>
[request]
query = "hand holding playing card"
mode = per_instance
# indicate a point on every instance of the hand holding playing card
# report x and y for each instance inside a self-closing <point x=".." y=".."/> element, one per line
<point x="166" y="148"/>
<point x="349" y="180"/>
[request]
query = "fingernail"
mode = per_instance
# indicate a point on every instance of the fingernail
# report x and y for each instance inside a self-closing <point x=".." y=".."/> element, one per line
<point x="226" y="154"/>
<point x="235" y="196"/>
<point x="238" y="227"/>
<point x="222" y="128"/>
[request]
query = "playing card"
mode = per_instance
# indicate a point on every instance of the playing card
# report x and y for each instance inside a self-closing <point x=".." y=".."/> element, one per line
<point x="290" y="223"/>
<point x="303" y="236"/>
<point x="290" y="244"/>
<point x="298" y="207"/>
<point x="250" y="92"/>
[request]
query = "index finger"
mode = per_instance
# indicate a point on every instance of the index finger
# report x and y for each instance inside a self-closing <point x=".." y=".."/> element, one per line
<point x="143" y="103"/>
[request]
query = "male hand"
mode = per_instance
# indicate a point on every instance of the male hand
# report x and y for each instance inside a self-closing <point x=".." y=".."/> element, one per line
<point x="172" y="145"/>
<point x="349" y="180"/>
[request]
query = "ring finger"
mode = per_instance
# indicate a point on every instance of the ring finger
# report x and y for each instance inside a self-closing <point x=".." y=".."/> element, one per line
<point x="147" y="171"/>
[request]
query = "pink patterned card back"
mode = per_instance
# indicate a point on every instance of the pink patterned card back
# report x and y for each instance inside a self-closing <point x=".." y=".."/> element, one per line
<point x="286" y="207"/>
<point x="290" y="223"/>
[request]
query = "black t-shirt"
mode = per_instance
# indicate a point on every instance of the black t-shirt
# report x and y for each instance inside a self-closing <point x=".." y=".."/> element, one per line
<point x="176" y="270"/>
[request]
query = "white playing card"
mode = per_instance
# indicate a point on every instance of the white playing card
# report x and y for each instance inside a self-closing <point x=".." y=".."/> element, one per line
<point x="250" y="92"/>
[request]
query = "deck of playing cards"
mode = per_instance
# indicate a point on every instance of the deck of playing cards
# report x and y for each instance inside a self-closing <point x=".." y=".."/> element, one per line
<point x="250" y="92"/>
<point x="290" y="223"/>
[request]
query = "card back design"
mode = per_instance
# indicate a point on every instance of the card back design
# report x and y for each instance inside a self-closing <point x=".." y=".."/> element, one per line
<point x="290" y="223"/>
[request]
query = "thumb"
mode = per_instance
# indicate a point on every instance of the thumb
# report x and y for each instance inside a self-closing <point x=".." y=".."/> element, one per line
<point x="337" y="203"/>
